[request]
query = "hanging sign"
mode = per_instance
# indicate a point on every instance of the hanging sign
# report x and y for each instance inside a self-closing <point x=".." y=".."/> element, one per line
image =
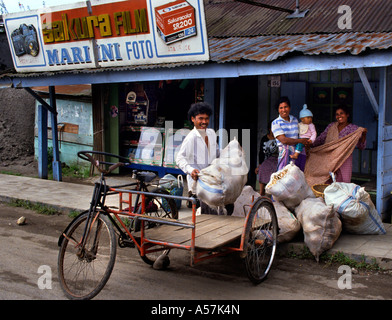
<point x="107" y="33"/>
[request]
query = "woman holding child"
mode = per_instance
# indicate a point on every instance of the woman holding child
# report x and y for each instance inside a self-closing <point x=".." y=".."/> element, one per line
<point x="333" y="148"/>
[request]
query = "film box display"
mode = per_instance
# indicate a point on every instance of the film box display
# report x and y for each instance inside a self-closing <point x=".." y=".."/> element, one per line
<point x="175" y="21"/>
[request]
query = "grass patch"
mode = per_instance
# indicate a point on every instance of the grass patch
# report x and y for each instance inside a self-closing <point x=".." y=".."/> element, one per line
<point x="73" y="214"/>
<point x="336" y="258"/>
<point x="75" y="170"/>
<point x="71" y="171"/>
<point x="342" y="259"/>
<point x="39" y="208"/>
<point x="10" y="173"/>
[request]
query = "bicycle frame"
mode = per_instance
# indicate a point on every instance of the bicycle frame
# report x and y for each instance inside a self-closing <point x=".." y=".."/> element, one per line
<point x="253" y="236"/>
<point x="144" y="244"/>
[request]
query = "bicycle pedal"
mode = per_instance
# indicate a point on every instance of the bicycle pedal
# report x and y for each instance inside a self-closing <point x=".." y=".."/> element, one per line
<point x="126" y="243"/>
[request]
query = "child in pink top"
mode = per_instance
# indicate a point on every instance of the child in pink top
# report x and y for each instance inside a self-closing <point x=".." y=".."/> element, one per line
<point x="306" y="130"/>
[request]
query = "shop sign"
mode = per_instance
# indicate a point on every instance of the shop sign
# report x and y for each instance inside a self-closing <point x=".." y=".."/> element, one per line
<point x="107" y="33"/>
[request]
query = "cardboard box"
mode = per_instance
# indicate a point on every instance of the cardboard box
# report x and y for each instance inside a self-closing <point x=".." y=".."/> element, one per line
<point x="175" y="21"/>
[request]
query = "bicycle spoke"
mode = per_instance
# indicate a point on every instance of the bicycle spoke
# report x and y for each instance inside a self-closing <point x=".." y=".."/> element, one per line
<point x="260" y="250"/>
<point x="84" y="270"/>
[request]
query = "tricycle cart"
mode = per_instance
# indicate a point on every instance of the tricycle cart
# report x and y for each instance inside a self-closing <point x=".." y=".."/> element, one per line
<point x="88" y="245"/>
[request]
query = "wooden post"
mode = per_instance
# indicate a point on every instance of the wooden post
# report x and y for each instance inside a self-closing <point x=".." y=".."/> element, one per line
<point x="42" y="142"/>
<point x="56" y="164"/>
<point x="381" y="166"/>
<point x="222" y="112"/>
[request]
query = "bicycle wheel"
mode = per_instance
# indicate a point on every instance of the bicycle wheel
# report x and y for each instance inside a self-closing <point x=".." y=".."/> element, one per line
<point x="260" y="240"/>
<point x="84" y="271"/>
<point x="157" y="207"/>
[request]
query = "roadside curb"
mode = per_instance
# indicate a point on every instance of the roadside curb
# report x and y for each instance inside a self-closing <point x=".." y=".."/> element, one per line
<point x="59" y="208"/>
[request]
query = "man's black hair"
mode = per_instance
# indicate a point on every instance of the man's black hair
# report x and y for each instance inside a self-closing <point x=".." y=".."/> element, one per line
<point x="199" y="108"/>
<point x="283" y="99"/>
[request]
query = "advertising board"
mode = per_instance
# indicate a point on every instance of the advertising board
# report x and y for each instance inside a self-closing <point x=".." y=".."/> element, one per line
<point x="107" y="33"/>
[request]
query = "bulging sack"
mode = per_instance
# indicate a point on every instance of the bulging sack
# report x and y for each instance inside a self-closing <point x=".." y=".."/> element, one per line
<point x="222" y="182"/>
<point x="244" y="202"/>
<point x="320" y="223"/>
<point x="289" y="226"/>
<point x="289" y="186"/>
<point x="356" y="209"/>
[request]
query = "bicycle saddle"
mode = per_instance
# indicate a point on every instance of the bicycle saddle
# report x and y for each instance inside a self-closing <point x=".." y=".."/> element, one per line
<point x="145" y="176"/>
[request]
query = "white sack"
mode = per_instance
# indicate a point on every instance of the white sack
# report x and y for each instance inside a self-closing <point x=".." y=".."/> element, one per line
<point x="356" y="209"/>
<point x="320" y="223"/>
<point x="289" y="186"/>
<point x="243" y="203"/>
<point x="289" y="226"/>
<point x="222" y="182"/>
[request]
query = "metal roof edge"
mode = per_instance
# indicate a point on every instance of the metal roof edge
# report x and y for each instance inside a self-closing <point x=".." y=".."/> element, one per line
<point x="294" y="64"/>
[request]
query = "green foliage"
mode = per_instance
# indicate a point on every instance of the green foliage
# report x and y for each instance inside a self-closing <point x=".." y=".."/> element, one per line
<point x="37" y="207"/>
<point x="11" y="173"/>
<point x="336" y="258"/>
<point x="75" y="170"/>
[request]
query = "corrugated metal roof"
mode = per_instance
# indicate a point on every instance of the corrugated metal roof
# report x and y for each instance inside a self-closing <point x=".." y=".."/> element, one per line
<point x="239" y="31"/>
<point x="98" y="70"/>
<point x="231" y="18"/>
<point x="269" y="48"/>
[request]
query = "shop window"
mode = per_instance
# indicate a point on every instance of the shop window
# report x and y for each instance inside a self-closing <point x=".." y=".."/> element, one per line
<point x="324" y="98"/>
<point x="145" y="110"/>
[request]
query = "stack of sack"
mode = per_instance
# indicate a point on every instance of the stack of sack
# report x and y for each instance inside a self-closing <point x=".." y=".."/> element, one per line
<point x="346" y="206"/>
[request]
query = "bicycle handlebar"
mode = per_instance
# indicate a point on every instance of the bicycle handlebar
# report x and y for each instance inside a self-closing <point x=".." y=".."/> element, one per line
<point x="87" y="155"/>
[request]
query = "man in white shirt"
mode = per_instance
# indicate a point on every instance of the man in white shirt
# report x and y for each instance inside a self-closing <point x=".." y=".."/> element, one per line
<point x="199" y="147"/>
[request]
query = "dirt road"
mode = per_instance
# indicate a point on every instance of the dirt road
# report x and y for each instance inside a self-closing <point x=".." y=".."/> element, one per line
<point x="28" y="255"/>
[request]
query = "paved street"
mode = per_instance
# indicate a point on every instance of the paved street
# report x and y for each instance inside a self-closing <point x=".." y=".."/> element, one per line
<point x="28" y="255"/>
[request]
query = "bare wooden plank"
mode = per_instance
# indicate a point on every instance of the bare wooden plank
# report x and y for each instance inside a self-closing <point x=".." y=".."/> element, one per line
<point x="387" y="148"/>
<point x="387" y="132"/>
<point x="164" y="230"/>
<point x="211" y="231"/>
<point x="220" y="237"/>
<point x="168" y="233"/>
<point x="224" y="235"/>
<point x="215" y="238"/>
<point x="177" y="236"/>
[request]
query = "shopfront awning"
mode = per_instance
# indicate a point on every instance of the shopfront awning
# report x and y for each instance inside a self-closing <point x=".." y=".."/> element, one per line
<point x="292" y="64"/>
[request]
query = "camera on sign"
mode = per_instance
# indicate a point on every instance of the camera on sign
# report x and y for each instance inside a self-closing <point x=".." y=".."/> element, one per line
<point x="25" y="40"/>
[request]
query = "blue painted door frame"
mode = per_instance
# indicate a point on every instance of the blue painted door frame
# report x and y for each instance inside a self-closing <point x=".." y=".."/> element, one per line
<point x="43" y="109"/>
<point x="42" y="142"/>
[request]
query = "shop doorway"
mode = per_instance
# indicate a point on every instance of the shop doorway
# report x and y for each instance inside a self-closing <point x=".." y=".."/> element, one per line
<point x="242" y="114"/>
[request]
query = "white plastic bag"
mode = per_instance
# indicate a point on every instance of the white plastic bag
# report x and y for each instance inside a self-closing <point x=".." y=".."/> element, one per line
<point x="289" y="186"/>
<point x="356" y="209"/>
<point x="320" y="223"/>
<point x="222" y="182"/>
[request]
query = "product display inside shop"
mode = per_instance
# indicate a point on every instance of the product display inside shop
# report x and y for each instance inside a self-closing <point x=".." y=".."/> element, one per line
<point x="153" y="119"/>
